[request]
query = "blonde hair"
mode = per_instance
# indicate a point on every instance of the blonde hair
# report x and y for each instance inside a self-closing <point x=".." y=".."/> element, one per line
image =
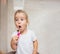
<point x="21" y="11"/>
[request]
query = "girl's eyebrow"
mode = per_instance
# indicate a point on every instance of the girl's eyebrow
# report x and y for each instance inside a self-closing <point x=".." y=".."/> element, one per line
<point x="16" y="18"/>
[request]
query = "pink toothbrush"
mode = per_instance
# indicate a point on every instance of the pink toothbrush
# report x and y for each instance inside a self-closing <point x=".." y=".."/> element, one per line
<point x="18" y="34"/>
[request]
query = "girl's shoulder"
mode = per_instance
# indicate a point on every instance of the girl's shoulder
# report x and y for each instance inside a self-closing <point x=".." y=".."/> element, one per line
<point x="33" y="35"/>
<point x="31" y="31"/>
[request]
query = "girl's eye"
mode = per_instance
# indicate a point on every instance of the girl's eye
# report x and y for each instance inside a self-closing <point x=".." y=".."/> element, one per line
<point x="22" y="19"/>
<point x="16" y="19"/>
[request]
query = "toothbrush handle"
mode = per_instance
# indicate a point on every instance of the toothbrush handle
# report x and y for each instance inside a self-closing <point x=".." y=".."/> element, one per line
<point x="18" y="34"/>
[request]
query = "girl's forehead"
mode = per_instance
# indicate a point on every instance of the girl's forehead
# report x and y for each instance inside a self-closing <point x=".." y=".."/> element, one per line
<point x="20" y="15"/>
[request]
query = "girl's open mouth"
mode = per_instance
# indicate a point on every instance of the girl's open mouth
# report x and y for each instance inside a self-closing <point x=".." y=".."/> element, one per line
<point x="19" y="27"/>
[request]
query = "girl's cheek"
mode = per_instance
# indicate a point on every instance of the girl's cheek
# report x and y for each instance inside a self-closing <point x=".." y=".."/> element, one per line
<point x="16" y="23"/>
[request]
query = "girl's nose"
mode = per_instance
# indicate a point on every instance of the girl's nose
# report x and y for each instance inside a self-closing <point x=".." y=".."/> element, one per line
<point x="19" y="22"/>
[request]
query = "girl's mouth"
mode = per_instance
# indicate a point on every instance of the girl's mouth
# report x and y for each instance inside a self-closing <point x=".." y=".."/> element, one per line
<point x="19" y="27"/>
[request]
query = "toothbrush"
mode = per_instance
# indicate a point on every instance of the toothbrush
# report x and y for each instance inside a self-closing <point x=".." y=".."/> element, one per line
<point x="18" y="34"/>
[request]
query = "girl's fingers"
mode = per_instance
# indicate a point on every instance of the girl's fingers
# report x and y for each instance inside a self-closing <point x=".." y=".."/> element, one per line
<point x="15" y="38"/>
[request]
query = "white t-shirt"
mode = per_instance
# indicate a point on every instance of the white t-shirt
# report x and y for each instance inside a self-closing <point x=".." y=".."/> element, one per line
<point x="25" y="42"/>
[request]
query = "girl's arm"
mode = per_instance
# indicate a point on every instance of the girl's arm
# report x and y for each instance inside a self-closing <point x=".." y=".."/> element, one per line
<point x="35" y="45"/>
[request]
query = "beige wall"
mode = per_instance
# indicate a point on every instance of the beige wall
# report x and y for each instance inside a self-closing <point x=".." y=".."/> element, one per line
<point x="0" y="20"/>
<point x="3" y="26"/>
<point x="0" y="15"/>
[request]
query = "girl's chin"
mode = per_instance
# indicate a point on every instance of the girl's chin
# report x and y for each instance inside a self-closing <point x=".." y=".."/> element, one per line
<point x="20" y="30"/>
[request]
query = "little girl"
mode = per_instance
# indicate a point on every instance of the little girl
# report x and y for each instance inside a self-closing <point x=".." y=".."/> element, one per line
<point x="25" y="42"/>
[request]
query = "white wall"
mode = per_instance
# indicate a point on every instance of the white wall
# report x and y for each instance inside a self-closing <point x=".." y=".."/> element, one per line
<point x="44" y="20"/>
<point x="18" y="4"/>
<point x="10" y="23"/>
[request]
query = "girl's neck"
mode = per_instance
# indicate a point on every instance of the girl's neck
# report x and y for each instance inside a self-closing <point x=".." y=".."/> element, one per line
<point x="24" y="31"/>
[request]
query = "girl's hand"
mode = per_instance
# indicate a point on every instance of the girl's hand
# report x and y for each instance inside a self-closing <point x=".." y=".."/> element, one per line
<point x="14" y="42"/>
<point x="34" y="52"/>
<point x="35" y="45"/>
<point x="15" y="38"/>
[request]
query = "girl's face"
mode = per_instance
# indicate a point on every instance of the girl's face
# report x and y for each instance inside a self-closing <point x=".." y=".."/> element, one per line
<point x="21" y="21"/>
